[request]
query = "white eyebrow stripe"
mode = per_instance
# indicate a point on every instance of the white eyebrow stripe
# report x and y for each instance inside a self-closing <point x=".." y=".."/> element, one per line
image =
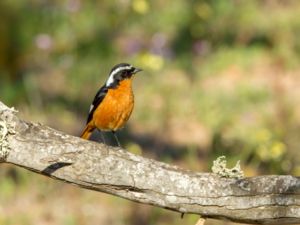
<point x="111" y="76"/>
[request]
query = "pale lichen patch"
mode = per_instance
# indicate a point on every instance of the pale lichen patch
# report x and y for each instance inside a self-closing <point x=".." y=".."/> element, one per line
<point x="4" y="147"/>
<point x="183" y="183"/>
<point x="220" y="168"/>
<point x="171" y="198"/>
<point x="7" y="126"/>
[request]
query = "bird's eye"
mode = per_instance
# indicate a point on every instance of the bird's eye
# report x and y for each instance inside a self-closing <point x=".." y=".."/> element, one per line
<point x="125" y="74"/>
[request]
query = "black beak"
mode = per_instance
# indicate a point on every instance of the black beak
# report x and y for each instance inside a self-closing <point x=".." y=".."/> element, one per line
<point x="136" y="70"/>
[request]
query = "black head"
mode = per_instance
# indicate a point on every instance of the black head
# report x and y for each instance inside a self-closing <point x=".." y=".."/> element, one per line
<point x="120" y="72"/>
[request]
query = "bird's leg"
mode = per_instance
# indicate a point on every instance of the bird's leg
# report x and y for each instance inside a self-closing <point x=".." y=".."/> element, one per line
<point x="116" y="137"/>
<point x="102" y="137"/>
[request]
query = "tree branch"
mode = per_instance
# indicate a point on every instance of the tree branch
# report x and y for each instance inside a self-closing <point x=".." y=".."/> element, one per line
<point x="90" y="165"/>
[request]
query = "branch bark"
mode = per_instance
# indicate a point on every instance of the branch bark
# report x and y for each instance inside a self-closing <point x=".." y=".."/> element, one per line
<point x="264" y="199"/>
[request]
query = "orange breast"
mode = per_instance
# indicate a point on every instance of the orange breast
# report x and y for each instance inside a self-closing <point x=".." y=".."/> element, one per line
<point x="116" y="107"/>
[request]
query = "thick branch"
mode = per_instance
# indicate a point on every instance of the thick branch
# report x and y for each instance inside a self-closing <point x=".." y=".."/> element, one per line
<point x="264" y="199"/>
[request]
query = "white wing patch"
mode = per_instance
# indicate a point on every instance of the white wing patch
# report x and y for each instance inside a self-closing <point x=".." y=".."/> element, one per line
<point x="111" y="76"/>
<point x="91" y="108"/>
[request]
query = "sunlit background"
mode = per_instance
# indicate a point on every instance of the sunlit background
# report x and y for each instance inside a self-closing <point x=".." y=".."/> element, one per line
<point x="220" y="78"/>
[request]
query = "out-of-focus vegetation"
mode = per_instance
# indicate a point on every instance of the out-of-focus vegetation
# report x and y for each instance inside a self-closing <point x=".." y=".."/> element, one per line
<point x="220" y="78"/>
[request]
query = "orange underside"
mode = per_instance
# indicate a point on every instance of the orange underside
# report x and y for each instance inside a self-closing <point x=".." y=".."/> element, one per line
<point x="114" y="111"/>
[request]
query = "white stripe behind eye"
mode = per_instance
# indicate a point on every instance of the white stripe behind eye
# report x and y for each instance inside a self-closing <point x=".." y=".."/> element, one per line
<point x="114" y="72"/>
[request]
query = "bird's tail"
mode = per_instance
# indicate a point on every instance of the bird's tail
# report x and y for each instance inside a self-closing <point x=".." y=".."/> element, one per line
<point x="87" y="132"/>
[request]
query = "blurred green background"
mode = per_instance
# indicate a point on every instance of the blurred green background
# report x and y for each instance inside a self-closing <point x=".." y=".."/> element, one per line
<point x="220" y="78"/>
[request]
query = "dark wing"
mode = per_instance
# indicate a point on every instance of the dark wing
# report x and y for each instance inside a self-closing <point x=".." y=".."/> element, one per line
<point x="97" y="100"/>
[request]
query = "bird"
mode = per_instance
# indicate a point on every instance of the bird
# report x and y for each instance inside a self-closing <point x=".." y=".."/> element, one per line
<point x="113" y="103"/>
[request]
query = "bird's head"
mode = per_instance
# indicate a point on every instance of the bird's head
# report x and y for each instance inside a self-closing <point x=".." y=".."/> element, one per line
<point x="120" y="72"/>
